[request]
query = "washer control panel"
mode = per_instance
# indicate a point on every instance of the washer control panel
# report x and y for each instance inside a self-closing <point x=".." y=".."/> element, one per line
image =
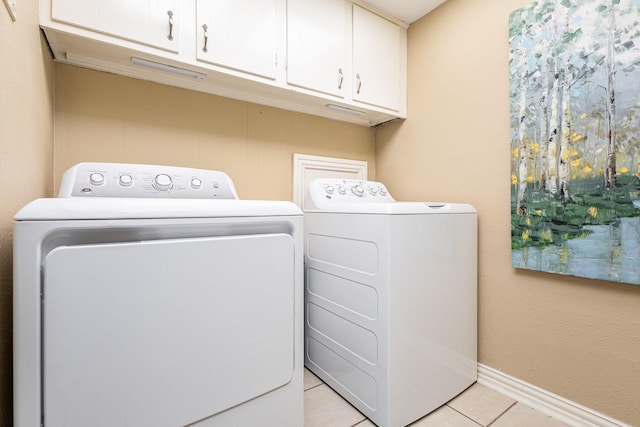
<point x="349" y="191"/>
<point x="145" y="181"/>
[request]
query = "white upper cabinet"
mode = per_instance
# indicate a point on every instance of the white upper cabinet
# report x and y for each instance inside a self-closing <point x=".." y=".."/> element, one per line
<point x="317" y="45"/>
<point x="150" y="22"/>
<point x="332" y="58"/>
<point x="238" y="34"/>
<point x="377" y="60"/>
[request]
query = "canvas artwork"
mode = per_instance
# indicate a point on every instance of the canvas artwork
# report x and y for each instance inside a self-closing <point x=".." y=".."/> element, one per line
<point x="575" y="138"/>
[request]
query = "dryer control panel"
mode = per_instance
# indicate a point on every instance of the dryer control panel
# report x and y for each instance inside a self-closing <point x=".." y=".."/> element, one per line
<point x="145" y="181"/>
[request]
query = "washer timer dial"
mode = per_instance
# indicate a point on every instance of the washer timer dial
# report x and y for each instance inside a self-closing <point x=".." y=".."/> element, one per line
<point x="162" y="182"/>
<point x="358" y="190"/>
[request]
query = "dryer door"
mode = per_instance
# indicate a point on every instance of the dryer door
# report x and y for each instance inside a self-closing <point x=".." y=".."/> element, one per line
<point x="166" y="332"/>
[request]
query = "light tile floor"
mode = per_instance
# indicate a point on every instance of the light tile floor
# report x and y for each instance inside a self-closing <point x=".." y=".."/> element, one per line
<point x="477" y="406"/>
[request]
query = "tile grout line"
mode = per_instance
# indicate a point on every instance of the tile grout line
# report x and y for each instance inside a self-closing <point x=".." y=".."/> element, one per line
<point x="504" y="412"/>
<point x="359" y="422"/>
<point x="311" y="388"/>
<point x="466" y="416"/>
<point x="364" y="417"/>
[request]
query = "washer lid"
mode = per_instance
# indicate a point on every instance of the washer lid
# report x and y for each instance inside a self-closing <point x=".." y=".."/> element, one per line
<point x="135" y="208"/>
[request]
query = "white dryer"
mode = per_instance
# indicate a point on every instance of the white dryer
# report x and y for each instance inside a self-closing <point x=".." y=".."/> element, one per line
<point x="390" y="298"/>
<point x="152" y="296"/>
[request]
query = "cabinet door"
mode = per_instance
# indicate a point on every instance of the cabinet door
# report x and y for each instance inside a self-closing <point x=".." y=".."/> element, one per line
<point x="151" y="22"/>
<point x="316" y="45"/>
<point x="239" y="34"/>
<point x="376" y="60"/>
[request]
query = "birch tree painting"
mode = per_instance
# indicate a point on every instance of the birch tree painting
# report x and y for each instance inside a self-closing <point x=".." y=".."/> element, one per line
<point x="575" y="138"/>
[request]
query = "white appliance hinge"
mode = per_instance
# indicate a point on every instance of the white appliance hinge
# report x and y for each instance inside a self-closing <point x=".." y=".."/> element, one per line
<point x="286" y="62"/>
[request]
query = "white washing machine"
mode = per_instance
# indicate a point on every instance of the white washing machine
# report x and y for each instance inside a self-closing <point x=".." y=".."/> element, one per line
<point x="152" y="296"/>
<point x="390" y="298"/>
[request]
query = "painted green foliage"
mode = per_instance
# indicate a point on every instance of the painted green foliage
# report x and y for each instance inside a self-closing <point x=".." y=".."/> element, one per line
<point x="575" y="117"/>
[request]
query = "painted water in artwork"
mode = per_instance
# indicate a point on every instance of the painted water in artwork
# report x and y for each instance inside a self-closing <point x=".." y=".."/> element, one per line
<point x="575" y="138"/>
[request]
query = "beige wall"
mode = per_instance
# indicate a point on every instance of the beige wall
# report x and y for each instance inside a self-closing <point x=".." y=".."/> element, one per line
<point x="107" y="118"/>
<point x="575" y="337"/>
<point x="26" y="113"/>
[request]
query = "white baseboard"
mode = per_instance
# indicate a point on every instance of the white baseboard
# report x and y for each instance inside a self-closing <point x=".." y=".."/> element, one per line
<point x="544" y="401"/>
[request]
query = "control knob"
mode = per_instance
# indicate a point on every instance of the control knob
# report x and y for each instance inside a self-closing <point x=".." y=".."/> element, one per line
<point x="196" y="183"/>
<point x="125" y="180"/>
<point x="358" y="190"/>
<point x="162" y="182"/>
<point x="96" y="178"/>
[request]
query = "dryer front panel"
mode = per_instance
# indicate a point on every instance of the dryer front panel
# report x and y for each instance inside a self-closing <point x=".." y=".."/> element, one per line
<point x="138" y="334"/>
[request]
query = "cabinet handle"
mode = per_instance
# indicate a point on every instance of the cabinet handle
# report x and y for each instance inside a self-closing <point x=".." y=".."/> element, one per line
<point x="206" y="37"/>
<point x="359" y="84"/>
<point x="340" y="78"/>
<point x="170" y="36"/>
